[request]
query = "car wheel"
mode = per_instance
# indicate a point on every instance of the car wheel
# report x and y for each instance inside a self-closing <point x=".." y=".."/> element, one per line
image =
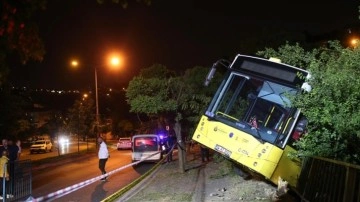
<point x="50" y="149"/>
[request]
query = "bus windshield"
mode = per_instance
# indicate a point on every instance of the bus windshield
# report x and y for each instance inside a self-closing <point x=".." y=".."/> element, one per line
<point x="255" y="106"/>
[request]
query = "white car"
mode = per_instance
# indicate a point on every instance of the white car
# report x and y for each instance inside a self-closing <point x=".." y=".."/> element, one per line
<point x="124" y="143"/>
<point x="41" y="146"/>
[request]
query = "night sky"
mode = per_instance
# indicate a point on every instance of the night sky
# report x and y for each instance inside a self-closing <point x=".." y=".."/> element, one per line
<point x="178" y="34"/>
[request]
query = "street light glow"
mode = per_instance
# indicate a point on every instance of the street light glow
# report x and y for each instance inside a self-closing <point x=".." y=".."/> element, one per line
<point x="74" y="63"/>
<point x="115" y="61"/>
<point x="354" y="42"/>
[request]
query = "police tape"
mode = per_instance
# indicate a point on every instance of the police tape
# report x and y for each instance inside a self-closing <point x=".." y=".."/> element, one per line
<point x="130" y="186"/>
<point x="70" y="189"/>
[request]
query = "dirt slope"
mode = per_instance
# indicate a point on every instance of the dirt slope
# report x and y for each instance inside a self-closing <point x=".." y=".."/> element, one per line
<point x="210" y="181"/>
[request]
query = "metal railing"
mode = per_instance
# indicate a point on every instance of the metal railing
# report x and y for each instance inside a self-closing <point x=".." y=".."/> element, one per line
<point x="19" y="185"/>
<point x="329" y="180"/>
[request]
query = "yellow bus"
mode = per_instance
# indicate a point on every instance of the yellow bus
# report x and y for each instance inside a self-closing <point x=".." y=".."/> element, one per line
<point x="250" y="119"/>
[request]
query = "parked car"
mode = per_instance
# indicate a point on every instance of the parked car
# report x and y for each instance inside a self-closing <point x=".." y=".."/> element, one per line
<point x="41" y="146"/>
<point x="124" y="143"/>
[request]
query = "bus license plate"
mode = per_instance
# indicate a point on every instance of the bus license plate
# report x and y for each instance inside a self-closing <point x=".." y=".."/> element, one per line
<point x="222" y="150"/>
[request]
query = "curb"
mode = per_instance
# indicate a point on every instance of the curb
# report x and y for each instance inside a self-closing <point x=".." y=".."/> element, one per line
<point x="200" y="186"/>
<point x="139" y="184"/>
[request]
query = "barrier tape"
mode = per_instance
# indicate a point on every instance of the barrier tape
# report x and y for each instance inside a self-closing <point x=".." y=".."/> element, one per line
<point x="122" y="191"/>
<point x="70" y="189"/>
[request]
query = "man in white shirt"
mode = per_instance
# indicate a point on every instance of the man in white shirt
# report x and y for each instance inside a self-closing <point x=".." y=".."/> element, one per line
<point x="103" y="156"/>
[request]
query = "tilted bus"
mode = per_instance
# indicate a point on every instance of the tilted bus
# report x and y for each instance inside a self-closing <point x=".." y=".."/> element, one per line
<point x="250" y="119"/>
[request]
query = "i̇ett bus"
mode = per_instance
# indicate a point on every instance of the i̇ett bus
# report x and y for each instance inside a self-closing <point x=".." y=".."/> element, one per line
<point x="250" y="119"/>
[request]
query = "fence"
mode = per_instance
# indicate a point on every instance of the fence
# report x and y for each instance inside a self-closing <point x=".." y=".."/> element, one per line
<point x="20" y="184"/>
<point x="329" y="181"/>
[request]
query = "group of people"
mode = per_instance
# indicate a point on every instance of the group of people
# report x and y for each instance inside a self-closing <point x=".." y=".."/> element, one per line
<point x="10" y="153"/>
<point x="103" y="152"/>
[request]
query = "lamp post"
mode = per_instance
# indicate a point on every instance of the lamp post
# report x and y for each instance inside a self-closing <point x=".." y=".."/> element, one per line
<point x="96" y="104"/>
<point x="114" y="61"/>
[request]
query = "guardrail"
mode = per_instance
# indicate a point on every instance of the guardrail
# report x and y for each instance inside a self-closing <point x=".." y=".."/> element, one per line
<point x="327" y="180"/>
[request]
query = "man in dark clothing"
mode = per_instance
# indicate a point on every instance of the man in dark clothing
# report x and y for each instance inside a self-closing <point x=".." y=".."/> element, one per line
<point x="170" y="142"/>
<point x="11" y="148"/>
<point x="13" y="151"/>
<point x="4" y="146"/>
<point x="204" y="153"/>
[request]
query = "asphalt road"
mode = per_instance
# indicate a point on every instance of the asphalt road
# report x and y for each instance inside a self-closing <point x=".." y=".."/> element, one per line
<point x="69" y="174"/>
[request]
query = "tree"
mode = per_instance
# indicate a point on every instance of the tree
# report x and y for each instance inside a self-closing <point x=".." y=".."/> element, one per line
<point x="13" y="120"/>
<point x="81" y="117"/>
<point x="125" y="128"/>
<point x="166" y="97"/>
<point x="159" y="92"/>
<point x="149" y="92"/>
<point x="193" y="97"/>
<point x="332" y="106"/>
<point x="19" y="36"/>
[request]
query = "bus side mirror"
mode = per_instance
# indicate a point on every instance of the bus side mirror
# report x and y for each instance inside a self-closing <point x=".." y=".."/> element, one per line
<point x="212" y="71"/>
<point x="210" y="75"/>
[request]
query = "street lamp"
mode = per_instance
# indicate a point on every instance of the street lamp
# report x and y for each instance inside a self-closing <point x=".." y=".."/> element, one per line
<point x="114" y="61"/>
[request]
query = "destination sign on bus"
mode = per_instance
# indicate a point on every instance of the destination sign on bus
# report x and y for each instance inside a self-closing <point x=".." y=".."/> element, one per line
<point x="274" y="70"/>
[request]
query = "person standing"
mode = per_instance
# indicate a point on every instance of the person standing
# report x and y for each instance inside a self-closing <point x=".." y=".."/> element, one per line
<point x="4" y="173"/>
<point x="4" y="146"/>
<point x="171" y="140"/>
<point x="204" y="153"/>
<point x="18" y="144"/>
<point x="13" y="153"/>
<point x="103" y="156"/>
